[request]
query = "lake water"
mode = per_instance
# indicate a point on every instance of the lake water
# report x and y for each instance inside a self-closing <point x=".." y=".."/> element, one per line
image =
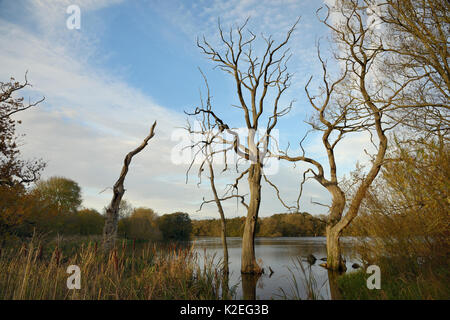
<point x="282" y="255"/>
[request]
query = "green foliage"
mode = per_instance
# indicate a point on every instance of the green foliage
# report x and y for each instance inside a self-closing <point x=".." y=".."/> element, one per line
<point x="59" y="192"/>
<point x="175" y="226"/>
<point x="396" y="286"/>
<point x="142" y="224"/>
<point x="84" y="222"/>
<point x="291" y="225"/>
<point x="212" y="227"/>
<point x="277" y="225"/>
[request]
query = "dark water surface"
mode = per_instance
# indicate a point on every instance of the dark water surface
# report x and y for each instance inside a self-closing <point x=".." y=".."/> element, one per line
<point x="283" y="256"/>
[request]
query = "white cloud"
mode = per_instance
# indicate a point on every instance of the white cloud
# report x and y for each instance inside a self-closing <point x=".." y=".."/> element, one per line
<point x="91" y="118"/>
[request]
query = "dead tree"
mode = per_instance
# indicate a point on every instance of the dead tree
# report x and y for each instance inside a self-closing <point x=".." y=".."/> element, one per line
<point x="112" y="211"/>
<point x="357" y="102"/>
<point x="254" y="77"/>
<point x="204" y="151"/>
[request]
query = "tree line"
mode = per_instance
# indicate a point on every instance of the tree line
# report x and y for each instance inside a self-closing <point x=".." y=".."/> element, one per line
<point x="53" y="207"/>
<point x="278" y="225"/>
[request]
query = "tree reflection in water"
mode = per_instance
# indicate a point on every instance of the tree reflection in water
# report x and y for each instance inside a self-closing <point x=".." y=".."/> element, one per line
<point x="249" y="282"/>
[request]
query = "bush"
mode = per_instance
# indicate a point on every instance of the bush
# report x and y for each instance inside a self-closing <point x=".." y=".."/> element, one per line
<point x="404" y="222"/>
<point x="142" y="224"/>
<point x="175" y="226"/>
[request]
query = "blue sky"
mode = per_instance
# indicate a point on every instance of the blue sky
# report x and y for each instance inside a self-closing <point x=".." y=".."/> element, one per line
<point x="133" y="62"/>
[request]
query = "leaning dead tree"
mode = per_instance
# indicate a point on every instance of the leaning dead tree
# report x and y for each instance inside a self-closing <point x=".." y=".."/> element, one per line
<point x="112" y="211"/>
<point x="260" y="83"/>
<point x="356" y="103"/>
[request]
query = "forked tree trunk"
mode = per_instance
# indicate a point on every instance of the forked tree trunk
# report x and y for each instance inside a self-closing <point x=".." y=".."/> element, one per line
<point x="248" y="259"/>
<point x="337" y="222"/>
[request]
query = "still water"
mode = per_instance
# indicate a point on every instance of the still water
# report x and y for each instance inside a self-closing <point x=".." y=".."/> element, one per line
<point x="282" y="255"/>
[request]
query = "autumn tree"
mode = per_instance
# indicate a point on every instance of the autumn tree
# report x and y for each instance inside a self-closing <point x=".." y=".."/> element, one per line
<point x="62" y="193"/>
<point x="15" y="173"/>
<point x="260" y="82"/>
<point x="416" y="45"/>
<point x="141" y="224"/>
<point x="13" y="169"/>
<point x="406" y="209"/>
<point x="125" y="209"/>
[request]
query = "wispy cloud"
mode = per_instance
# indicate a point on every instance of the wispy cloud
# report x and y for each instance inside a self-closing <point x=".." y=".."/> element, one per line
<point x="92" y="117"/>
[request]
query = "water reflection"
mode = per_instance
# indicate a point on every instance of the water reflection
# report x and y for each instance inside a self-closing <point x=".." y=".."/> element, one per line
<point x="286" y="257"/>
<point x="249" y="282"/>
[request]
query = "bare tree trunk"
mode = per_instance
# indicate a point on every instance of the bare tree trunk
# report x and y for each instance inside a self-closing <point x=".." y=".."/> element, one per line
<point x="248" y="260"/>
<point x="225" y="246"/>
<point x="334" y="230"/>
<point x="334" y="288"/>
<point x="112" y="212"/>
<point x="225" y="286"/>
<point x="334" y="256"/>
<point x="222" y="219"/>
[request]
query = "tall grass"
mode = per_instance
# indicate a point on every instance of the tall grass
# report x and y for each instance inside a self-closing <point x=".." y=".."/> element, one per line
<point x="309" y="285"/>
<point x="394" y="286"/>
<point x="150" y="272"/>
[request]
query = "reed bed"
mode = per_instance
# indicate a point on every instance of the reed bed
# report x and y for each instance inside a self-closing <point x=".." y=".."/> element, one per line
<point x="304" y="285"/>
<point x="153" y="271"/>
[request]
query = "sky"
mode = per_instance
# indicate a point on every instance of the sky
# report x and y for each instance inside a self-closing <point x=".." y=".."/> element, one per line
<point x="133" y="62"/>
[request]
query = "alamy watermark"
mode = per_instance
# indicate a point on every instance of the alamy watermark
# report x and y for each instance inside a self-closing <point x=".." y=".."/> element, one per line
<point x="74" y="280"/>
<point x="374" y="281"/>
<point x="74" y="20"/>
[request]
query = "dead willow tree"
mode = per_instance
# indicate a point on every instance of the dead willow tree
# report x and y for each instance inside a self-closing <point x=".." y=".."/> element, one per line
<point x="355" y="103"/>
<point x="112" y="212"/>
<point x="255" y="79"/>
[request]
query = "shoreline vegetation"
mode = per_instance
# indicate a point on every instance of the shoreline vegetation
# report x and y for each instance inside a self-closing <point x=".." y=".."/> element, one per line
<point x="144" y="271"/>
<point x="412" y="252"/>
<point x="153" y="261"/>
<point x="140" y="269"/>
